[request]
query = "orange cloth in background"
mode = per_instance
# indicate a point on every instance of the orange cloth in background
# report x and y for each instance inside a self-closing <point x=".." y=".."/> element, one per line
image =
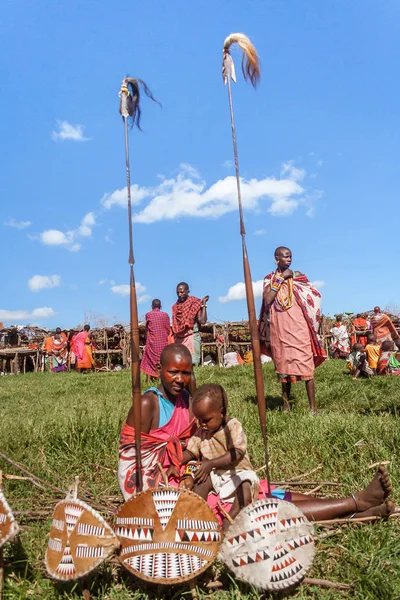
<point x="373" y="352"/>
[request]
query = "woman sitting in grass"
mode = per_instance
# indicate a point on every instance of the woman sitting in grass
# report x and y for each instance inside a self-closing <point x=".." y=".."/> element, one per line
<point x="168" y="424"/>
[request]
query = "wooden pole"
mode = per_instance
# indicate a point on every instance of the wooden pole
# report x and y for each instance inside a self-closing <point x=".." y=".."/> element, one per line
<point x="253" y="325"/>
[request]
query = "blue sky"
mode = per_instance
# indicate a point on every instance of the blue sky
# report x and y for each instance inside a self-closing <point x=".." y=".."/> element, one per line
<point x="318" y="148"/>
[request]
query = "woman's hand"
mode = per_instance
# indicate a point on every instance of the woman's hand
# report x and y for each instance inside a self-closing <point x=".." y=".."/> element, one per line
<point x="203" y="471"/>
<point x="287" y="274"/>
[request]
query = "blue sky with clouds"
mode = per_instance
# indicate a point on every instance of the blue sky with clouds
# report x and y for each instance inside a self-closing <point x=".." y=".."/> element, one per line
<point x="318" y="147"/>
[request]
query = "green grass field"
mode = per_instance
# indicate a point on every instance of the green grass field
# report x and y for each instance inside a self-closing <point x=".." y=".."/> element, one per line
<point x="64" y="425"/>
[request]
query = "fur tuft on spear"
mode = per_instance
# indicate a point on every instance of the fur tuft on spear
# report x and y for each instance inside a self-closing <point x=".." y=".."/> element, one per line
<point x="251" y="71"/>
<point x="250" y="60"/>
<point x="130" y="111"/>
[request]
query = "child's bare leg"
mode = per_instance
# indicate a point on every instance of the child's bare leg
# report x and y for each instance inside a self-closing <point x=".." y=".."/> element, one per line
<point x="286" y="387"/>
<point x="243" y="498"/>
<point x="203" y="489"/>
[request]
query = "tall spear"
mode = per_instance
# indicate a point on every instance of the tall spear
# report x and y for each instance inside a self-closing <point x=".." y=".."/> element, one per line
<point x="251" y="70"/>
<point x="130" y="111"/>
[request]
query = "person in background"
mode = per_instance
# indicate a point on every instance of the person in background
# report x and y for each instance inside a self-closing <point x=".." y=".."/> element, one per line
<point x="373" y="350"/>
<point x="383" y="326"/>
<point x="394" y="361"/>
<point x="56" y="351"/>
<point x="357" y="362"/>
<point x="288" y="325"/>
<point x="188" y="313"/>
<point x="340" y="347"/>
<point x="386" y="352"/>
<point x="157" y="332"/>
<point x="83" y="347"/>
<point x="232" y="358"/>
<point x="361" y="329"/>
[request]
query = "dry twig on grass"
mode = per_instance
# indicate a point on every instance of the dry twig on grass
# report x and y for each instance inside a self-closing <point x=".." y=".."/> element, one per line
<point x="327" y="583"/>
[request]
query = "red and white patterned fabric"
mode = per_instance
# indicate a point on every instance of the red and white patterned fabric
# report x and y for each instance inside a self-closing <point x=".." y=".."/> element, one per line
<point x="157" y="330"/>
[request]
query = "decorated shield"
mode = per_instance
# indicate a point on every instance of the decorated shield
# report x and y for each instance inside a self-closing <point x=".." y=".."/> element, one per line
<point x="168" y="535"/>
<point x="8" y="525"/>
<point x="80" y="539"/>
<point x="270" y="544"/>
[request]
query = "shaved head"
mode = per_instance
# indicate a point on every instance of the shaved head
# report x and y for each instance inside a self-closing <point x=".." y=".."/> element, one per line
<point x="281" y="249"/>
<point x="173" y="350"/>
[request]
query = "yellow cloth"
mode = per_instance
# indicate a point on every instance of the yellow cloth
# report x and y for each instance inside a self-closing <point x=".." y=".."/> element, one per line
<point x="248" y="357"/>
<point x="373" y="351"/>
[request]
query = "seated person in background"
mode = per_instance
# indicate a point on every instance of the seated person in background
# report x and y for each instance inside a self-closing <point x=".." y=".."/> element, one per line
<point x="373" y="351"/>
<point x="221" y="445"/>
<point x="357" y="362"/>
<point x="394" y="361"/>
<point x="232" y="359"/>
<point x="387" y="349"/>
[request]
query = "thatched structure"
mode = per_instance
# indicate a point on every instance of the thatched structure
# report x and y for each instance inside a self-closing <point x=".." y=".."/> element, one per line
<point x="20" y="347"/>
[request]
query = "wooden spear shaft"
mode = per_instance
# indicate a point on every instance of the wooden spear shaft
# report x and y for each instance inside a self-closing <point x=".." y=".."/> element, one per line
<point x="255" y="340"/>
<point x="134" y="319"/>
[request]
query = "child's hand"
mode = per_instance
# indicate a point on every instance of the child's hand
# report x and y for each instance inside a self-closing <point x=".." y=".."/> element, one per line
<point x="203" y="471"/>
<point x="173" y="472"/>
<point x="187" y="483"/>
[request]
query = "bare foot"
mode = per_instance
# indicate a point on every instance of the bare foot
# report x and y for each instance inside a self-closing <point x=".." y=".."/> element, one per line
<point x="375" y="493"/>
<point x="383" y="510"/>
<point x="286" y="406"/>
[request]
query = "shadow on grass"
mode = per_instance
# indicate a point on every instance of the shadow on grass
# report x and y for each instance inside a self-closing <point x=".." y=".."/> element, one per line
<point x="273" y="402"/>
<point x="17" y="561"/>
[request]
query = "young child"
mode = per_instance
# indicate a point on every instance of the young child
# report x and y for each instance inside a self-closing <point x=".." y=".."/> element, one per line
<point x="372" y="350"/>
<point x="220" y="445"/>
<point x="387" y="350"/>
<point x="394" y="360"/>
<point x="357" y="362"/>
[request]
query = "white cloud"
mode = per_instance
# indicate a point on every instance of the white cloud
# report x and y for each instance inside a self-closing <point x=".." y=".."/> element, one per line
<point x="17" y="224"/>
<point x="291" y="172"/>
<point x="24" y="315"/>
<point x="124" y="290"/>
<point x="238" y="291"/>
<point x="66" y="131"/>
<point x="102" y="281"/>
<point x="259" y="232"/>
<point x="86" y="226"/>
<point x="227" y="164"/>
<point x="318" y="283"/>
<point x="320" y="163"/>
<point x="120" y="197"/>
<point x="187" y="195"/>
<point x="55" y="237"/>
<point x="38" y="282"/>
<point x="310" y="201"/>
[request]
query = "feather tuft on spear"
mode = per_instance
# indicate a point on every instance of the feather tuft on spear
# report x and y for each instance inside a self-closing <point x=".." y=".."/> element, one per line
<point x="130" y="99"/>
<point x="250" y="59"/>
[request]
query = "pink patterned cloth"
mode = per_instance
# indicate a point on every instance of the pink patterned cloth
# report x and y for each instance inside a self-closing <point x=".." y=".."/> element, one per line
<point x="164" y="445"/>
<point x="293" y="333"/>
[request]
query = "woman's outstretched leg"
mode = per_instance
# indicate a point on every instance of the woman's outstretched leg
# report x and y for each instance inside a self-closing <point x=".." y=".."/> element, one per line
<point x="368" y="502"/>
